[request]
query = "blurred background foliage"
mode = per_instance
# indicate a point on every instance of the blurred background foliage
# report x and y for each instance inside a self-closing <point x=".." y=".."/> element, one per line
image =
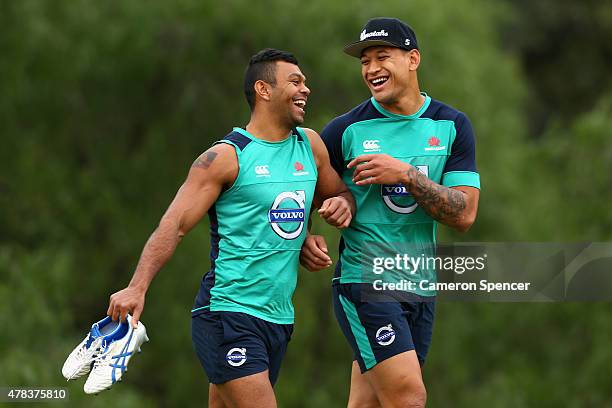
<point x="104" y="105"/>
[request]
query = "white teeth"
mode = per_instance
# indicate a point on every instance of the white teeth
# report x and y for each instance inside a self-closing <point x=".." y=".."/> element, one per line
<point x="378" y="81"/>
<point x="300" y="103"/>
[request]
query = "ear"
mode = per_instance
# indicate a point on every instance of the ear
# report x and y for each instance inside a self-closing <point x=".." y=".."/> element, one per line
<point x="262" y="89"/>
<point x="414" y="59"/>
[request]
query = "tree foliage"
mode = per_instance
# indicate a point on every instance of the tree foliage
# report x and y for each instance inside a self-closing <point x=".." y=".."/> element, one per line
<point x="104" y="106"/>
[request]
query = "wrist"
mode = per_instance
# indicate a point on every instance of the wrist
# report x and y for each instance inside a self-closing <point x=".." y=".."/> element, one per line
<point x="138" y="287"/>
<point x="348" y="199"/>
<point x="407" y="174"/>
<point x="343" y="198"/>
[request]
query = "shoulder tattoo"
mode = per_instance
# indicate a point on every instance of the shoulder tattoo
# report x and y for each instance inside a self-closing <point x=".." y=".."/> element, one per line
<point x="205" y="160"/>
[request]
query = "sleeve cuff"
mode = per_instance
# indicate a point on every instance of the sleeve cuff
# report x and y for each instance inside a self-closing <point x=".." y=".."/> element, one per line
<point x="461" y="178"/>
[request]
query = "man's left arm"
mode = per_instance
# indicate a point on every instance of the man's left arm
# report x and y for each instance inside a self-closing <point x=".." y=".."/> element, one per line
<point x="452" y="206"/>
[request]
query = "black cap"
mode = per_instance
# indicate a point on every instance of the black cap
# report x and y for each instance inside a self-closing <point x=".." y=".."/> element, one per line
<point x="383" y="31"/>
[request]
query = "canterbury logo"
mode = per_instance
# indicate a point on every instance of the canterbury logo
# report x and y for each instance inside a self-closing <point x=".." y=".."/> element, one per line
<point x="262" y="170"/>
<point x="371" y="145"/>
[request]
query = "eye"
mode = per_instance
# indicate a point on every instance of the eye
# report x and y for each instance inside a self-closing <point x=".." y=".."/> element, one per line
<point x="365" y="62"/>
<point x="383" y="57"/>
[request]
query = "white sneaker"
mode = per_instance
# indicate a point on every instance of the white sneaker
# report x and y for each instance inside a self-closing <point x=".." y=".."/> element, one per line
<point x="115" y="353"/>
<point x="80" y="360"/>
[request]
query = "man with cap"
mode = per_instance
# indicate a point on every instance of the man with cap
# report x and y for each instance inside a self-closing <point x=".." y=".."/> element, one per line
<point x="409" y="161"/>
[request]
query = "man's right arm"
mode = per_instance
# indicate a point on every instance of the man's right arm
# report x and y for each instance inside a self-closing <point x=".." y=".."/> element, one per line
<point x="210" y="173"/>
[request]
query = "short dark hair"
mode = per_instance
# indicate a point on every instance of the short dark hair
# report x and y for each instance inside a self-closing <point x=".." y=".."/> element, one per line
<point x="262" y="67"/>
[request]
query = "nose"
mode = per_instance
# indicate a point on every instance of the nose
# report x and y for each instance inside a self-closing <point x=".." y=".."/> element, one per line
<point x="305" y="90"/>
<point x="373" y="67"/>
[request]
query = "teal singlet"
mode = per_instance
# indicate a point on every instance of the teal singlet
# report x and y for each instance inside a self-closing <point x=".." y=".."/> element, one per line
<point x="258" y="226"/>
<point x="438" y="140"/>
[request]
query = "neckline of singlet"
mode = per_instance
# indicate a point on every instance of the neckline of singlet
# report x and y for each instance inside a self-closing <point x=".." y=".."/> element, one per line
<point x="415" y="115"/>
<point x="254" y="138"/>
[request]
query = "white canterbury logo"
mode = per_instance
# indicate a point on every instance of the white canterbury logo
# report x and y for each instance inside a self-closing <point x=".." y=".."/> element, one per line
<point x="262" y="170"/>
<point x="371" y="145"/>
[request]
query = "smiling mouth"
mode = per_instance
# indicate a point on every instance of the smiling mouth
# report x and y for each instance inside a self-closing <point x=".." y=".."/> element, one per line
<point x="301" y="104"/>
<point x="378" y="82"/>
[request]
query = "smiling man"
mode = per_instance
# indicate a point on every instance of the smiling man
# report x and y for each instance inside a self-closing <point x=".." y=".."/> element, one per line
<point x="409" y="161"/>
<point x="257" y="185"/>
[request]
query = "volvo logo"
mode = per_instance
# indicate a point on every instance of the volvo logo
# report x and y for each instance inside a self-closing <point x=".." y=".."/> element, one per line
<point x="236" y="357"/>
<point x="288" y="213"/>
<point x="385" y="335"/>
<point x="397" y="197"/>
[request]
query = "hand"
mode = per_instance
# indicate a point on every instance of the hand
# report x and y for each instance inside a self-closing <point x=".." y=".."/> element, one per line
<point x="379" y="169"/>
<point x="314" y="253"/>
<point x="336" y="211"/>
<point x="125" y="301"/>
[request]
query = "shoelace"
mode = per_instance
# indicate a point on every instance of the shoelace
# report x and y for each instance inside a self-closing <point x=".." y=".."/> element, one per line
<point x="100" y="359"/>
<point x="85" y="353"/>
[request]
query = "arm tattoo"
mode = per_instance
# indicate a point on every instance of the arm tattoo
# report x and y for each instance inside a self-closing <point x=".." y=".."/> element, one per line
<point x="205" y="160"/>
<point x="442" y="203"/>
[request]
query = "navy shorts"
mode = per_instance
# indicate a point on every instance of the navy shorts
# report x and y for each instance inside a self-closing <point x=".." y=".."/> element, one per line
<point x="231" y="345"/>
<point x="378" y="330"/>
